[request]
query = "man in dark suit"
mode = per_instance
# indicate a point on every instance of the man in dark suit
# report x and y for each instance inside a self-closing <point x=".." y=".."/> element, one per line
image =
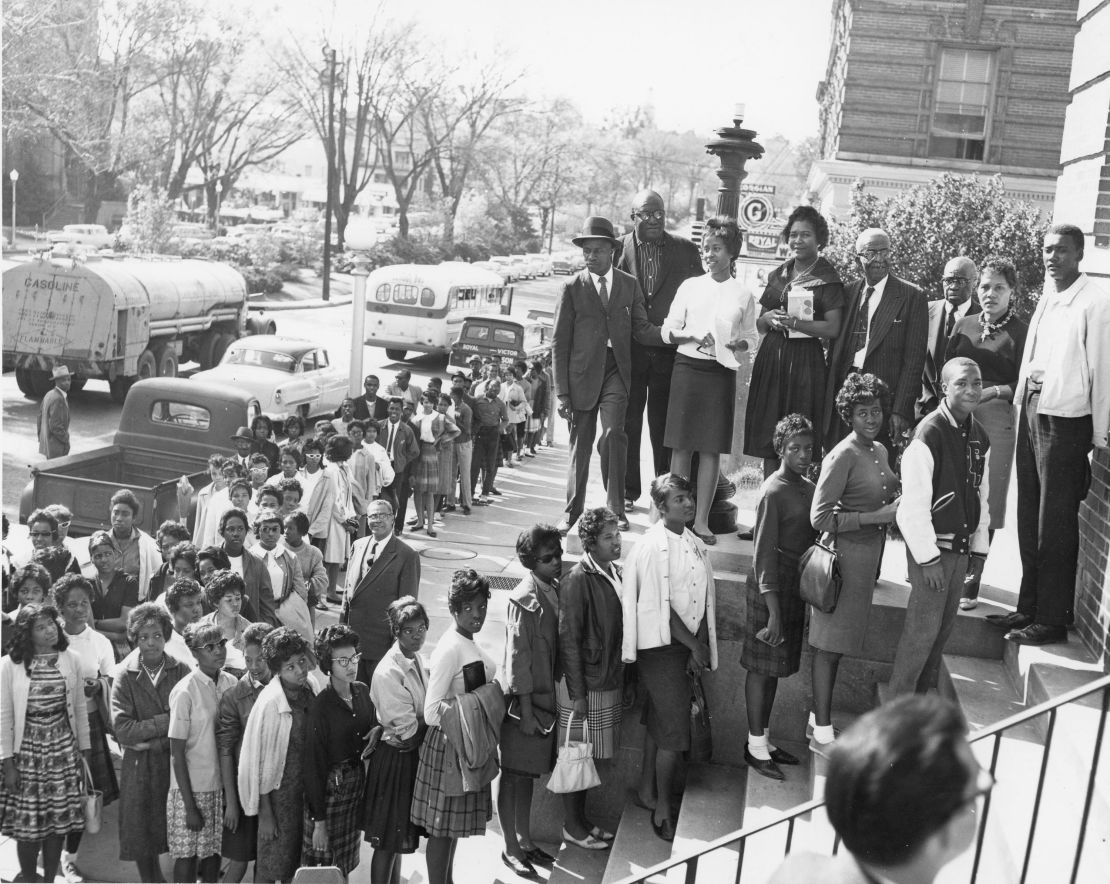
<point x="369" y="406"/>
<point x="960" y="277"/>
<point x="660" y="262"/>
<point x="382" y="568"/>
<point x="597" y="315"/>
<point x="399" y="441"/>
<point x="54" y="416"/>
<point x="886" y="324"/>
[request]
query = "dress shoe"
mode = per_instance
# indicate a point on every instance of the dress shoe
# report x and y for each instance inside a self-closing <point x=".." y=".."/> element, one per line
<point x="495" y="492"/>
<point x="466" y="511"/>
<point x="819" y="748"/>
<point x="665" y="829"/>
<point x="599" y="832"/>
<point x="622" y="522"/>
<point x="69" y="869"/>
<point x="629" y="504"/>
<point x="1013" y="620"/>
<point x="587" y="843"/>
<point x="707" y="539"/>
<point x="969" y="604"/>
<point x="746" y="534"/>
<point x="1038" y="634"/>
<point x="537" y="856"/>
<point x="519" y="866"/>
<point x="431" y="532"/>
<point x="766" y="767"/>
<point x="781" y="756"/>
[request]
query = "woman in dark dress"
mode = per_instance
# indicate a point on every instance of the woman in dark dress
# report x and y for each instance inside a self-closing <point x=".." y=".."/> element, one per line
<point x="340" y="719"/>
<point x="141" y="717"/>
<point x="995" y="339"/>
<point x="789" y="371"/>
<point x="116" y="593"/>
<point x="776" y="613"/>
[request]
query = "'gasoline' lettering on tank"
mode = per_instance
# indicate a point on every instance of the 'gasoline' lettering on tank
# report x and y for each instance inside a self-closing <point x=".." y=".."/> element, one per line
<point x="54" y="284"/>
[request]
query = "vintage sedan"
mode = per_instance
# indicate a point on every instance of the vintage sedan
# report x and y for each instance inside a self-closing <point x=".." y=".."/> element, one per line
<point x="287" y="375"/>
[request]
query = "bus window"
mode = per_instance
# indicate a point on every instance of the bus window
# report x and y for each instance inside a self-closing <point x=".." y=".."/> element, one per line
<point x="382" y="294"/>
<point x="404" y="294"/>
<point x="427" y="298"/>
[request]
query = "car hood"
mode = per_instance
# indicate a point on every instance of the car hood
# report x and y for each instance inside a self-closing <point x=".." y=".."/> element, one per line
<point x="252" y="375"/>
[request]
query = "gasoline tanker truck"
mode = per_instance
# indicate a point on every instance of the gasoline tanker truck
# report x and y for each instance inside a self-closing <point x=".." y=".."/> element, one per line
<point x="122" y="319"/>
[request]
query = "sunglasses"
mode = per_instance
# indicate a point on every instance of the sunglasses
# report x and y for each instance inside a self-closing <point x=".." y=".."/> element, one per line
<point x="347" y="661"/>
<point x="212" y="647"/>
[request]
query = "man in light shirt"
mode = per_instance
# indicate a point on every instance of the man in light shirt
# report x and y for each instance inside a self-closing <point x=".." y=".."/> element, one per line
<point x="1063" y="395"/>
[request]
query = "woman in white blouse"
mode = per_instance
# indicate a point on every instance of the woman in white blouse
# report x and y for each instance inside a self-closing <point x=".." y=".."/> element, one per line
<point x="712" y="319"/>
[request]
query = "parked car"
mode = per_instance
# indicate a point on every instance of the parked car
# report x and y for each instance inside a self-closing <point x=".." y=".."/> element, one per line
<point x="542" y="263"/>
<point x="95" y="235"/>
<point x="286" y="375"/>
<point x="508" y="266"/>
<point x="499" y="269"/>
<point x="503" y="336"/>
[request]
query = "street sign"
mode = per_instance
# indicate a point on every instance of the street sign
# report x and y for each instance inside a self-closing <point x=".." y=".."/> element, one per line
<point x="768" y="189"/>
<point x="755" y="211"/>
<point x="762" y="240"/>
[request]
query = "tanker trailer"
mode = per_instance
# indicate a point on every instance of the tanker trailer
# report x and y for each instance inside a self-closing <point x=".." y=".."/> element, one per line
<point x="119" y="319"/>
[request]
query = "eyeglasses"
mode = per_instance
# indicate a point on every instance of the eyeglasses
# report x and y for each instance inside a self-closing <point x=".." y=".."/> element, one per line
<point x="548" y="559"/>
<point x="42" y="533"/>
<point x="955" y="280"/>
<point x="212" y="647"/>
<point x="344" y="662"/>
<point x="872" y="254"/>
<point x="657" y="215"/>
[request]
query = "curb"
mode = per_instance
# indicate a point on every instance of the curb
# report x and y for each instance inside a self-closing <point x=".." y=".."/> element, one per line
<point x="307" y="304"/>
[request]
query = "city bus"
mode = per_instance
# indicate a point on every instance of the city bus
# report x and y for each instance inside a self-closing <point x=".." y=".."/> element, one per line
<point x="421" y="307"/>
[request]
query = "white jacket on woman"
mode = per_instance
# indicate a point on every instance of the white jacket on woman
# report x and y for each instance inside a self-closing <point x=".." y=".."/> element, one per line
<point x="15" y="686"/>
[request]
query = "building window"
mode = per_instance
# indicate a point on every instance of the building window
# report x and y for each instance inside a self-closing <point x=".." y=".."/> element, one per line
<point x="962" y="104"/>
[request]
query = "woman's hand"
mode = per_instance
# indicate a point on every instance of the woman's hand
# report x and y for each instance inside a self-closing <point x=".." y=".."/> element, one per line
<point x="11" y="776"/>
<point x="194" y="819"/>
<point x="884" y="515"/>
<point x="737" y="345"/>
<point x="92" y="687"/>
<point x="580" y="707"/>
<point x="139" y="747"/>
<point x="320" y="836"/>
<point x="528" y="724"/>
<point x="777" y="319"/>
<point x="772" y="632"/>
<point x="231" y="815"/>
<point x="267" y="825"/>
<point x="699" y="657"/>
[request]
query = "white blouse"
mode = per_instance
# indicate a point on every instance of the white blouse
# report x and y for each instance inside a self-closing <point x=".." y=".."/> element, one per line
<point x="725" y="309"/>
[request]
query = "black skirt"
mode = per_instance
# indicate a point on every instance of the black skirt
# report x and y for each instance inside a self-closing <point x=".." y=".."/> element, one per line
<point x="701" y="406"/>
<point x="388" y="800"/>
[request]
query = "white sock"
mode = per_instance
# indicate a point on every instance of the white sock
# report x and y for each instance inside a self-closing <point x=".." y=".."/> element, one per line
<point x="824" y="733"/>
<point x="812" y="720"/>
<point x="758" y="747"/>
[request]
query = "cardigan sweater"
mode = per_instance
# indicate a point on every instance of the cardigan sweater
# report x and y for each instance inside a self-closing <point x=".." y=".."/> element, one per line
<point x="15" y="687"/>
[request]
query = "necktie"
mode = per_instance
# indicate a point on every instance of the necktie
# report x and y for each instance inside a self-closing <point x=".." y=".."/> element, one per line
<point x="603" y="290"/>
<point x="949" y="322"/>
<point x="372" y="557"/>
<point x="859" y="333"/>
<point x="389" y="442"/>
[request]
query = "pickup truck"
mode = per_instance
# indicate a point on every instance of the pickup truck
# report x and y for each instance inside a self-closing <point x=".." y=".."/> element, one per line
<point x="168" y="428"/>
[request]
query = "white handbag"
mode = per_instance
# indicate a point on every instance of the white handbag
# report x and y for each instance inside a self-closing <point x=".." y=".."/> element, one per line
<point x="92" y="800"/>
<point x="574" y="769"/>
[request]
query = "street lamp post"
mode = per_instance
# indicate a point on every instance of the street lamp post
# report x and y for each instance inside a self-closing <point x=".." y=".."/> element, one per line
<point x="219" y="198"/>
<point x="14" y="176"/>
<point x="360" y="238"/>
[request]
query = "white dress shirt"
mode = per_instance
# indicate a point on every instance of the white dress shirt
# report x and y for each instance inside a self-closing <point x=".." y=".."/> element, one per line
<point x="704" y="306"/>
<point x="688" y="578"/>
<point x="872" y="306"/>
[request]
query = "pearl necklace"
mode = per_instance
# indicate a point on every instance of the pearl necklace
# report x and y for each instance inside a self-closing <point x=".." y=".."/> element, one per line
<point x="800" y="274"/>
<point x="153" y="674"/>
<point x="987" y="328"/>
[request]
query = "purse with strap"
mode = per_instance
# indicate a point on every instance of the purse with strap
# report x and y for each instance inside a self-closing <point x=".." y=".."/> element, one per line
<point x="701" y="734"/>
<point x="574" y="770"/>
<point x="92" y="800"/>
<point x="819" y="575"/>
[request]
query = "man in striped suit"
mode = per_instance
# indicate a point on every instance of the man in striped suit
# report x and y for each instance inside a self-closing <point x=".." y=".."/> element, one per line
<point x="885" y="333"/>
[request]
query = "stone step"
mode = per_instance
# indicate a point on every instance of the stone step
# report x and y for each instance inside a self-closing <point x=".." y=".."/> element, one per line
<point x="712" y="806"/>
<point x="636" y="846"/>
<point x="573" y="865"/>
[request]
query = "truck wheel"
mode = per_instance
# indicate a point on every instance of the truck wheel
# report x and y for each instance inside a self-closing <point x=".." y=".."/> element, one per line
<point x="147" y="366"/>
<point x="23" y="382"/>
<point x="118" y="388"/>
<point x="165" y="360"/>
<point x="396" y="355"/>
<point x="302" y="412"/>
<point x="34" y="383"/>
<point x="205" y="347"/>
<point x="77" y="384"/>
<point x="220" y="345"/>
<point x="261" y="325"/>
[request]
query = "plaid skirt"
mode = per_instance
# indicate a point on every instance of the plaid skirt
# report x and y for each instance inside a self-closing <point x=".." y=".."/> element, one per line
<point x="439" y="814"/>
<point x="100" y="758"/>
<point x="448" y="469"/>
<point x="184" y="842"/>
<point x="759" y="657"/>
<point x="388" y="803"/>
<point x="604" y="710"/>
<point x="48" y="801"/>
<point x="425" y="472"/>
<point x="343" y="797"/>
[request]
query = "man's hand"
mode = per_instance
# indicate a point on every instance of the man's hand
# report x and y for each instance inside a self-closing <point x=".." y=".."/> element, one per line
<point x="899" y="427"/>
<point x="565" y="411"/>
<point x="934" y="576"/>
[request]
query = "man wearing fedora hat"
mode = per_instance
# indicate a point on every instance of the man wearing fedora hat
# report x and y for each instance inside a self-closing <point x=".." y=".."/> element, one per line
<point x="54" y="416"/>
<point x="243" y="440"/>
<point x="598" y="314"/>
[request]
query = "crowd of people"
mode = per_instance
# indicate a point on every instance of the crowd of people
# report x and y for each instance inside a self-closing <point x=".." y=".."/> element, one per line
<point x="249" y="733"/>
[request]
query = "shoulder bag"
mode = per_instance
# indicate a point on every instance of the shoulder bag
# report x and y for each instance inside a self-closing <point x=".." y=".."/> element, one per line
<point x="92" y="800"/>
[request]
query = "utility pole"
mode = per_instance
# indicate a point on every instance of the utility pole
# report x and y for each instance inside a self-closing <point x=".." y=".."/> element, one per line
<point x="329" y="56"/>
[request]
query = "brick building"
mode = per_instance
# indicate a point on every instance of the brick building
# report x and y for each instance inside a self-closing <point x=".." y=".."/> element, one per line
<point x="918" y="87"/>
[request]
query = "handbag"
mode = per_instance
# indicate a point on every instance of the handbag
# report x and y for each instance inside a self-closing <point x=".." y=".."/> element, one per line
<point x="574" y="768"/>
<point x="92" y="800"/>
<point x="819" y="576"/>
<point x="701" y="735"/>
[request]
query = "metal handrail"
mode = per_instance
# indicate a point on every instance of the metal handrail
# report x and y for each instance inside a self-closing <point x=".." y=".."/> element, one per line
<point x="995" y="731"/>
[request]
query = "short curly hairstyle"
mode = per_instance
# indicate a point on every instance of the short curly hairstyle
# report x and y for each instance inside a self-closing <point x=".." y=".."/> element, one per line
<point x="148" y="612"/>
<point x="268" y="490"/>
<point x="530" y="542"/>
<point x="858" y="389"/>
<point x="815" y="220"/>
<point x="100" y="538"/>
<point x="220" y="584"/>
<point x="215" y="555"/>
<point x="32" y="572"/>
<point x="181" y="589"/>
<point x="402" y="610"/>
<point x="338" y="449"/>
<point x="233" y="513"/>
<point x="727" y="231"/>
<point x="1003" y="266"/>
<point x="790" y="426"/>
<point x="22" y="646"/>
<point x="592" y="523"/>
<point x="66" y="584"/>
<point x="236" y="485"/>
<point x="260" y="418"/>
<point x="184" y="550"/>
<point x="660" y="485"/>
<point x="293" y="452"/>
<point x="42" y="515"/>
<point x="256" y="633"/>
<point x="294" y="420"/>
<point x="126" y="497"/>
<point x="284" y="485"/>
<point x="466" y="586"/>
<point x="176" y="530"/>
<point x="200" y="633"/>
<point x="282" y="645"/>
<point x="328" y="639"/>
<point x="311" y="445"/>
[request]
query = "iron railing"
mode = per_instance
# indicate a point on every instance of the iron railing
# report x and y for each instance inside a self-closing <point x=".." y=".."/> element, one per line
<point x="994" y="733"/>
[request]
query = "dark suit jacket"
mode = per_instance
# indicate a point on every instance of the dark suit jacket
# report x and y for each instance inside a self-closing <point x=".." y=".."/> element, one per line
<point x="395" y="573"/>
<point x="934" y="358"/>
<point x="582" y="327"/>
<point x="405" y="447"/>
<point x="363" y="408"/>
<point x="681" y="260"/>
<point x="54" y="424"/>
<point x="258" y="596"/>
<point x="895" y="351"/>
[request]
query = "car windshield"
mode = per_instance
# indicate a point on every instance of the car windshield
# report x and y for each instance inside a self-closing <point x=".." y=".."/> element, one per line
<point x="261" y="359"/>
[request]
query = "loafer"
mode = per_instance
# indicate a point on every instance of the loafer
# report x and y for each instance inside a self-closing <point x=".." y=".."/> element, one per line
<point x="766" y="767"/>
<point x="1038" y="634"/>
<point x="587" y="843"/>
<point x="1013" y="620"/>
<point x="519" y="866"/>
<point x="746" y="534"/>
<point x="781" y="756"/>
<point x="622" y="522"/>
<point x="431" y="532"/>
<point x="968" y="604"/>
<point x="466" y="511"/>
<point x="599" y="832"/>
<point x="665" y="829"/>
<point x="537" y="856"/>
<point x="495" y="492"/>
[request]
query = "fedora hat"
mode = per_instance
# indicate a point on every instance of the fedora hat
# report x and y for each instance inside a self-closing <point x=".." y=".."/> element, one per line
<point x="596" y="227"/>
<point x="59" y="372"/>
<point x="244" y="433"/>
